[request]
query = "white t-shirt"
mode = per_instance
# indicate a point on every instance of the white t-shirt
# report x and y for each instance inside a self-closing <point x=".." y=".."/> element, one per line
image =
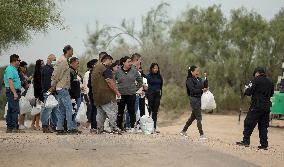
<point x="85" y="82"/>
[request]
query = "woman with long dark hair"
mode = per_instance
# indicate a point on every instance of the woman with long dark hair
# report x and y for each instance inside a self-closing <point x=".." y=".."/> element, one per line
<point x="195" y="87"/>
<point x="154" y="94"/>
<point x="37" y="91"/>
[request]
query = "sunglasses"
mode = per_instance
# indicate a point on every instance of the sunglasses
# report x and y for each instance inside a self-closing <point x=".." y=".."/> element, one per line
<point x="19" y="60"/>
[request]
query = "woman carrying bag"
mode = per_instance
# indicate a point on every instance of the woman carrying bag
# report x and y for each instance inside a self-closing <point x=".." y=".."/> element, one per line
<point x="195" y="87"/>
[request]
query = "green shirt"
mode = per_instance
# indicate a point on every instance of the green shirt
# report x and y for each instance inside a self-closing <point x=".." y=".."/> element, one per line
<point x="12" y="73"/>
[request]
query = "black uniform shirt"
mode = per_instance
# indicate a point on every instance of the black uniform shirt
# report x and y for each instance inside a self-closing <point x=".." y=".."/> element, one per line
<point x="261" y="91"/>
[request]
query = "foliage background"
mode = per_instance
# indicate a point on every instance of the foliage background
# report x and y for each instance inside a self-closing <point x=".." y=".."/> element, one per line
<point x="227" y="48"/>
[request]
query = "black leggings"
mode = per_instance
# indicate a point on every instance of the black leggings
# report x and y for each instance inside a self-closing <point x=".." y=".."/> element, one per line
<point x="128" y="100"/>
<point x="154" y="98"/>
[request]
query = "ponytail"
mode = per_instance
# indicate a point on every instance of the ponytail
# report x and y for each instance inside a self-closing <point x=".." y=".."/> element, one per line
<point x="191" y="69"/>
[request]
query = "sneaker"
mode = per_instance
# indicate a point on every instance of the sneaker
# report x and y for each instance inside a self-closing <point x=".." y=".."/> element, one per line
<point x="203" y="137"/>
<point x="157" y="131"/>
<point x="262" y="147"/>
<point x="74" y="131"/>
<point x="46" y="130"/>
<point x="242" y="143"/>
<point x="132" y="130"/>
<point x="52" y="129"/>
<point x="93" y="131"/>
<point x="9" y="130"/>
<point x="18" y="131"/>
<point x="118" y="132"/>
<point x="139" y="131"/>
<point x="38" y="128"/>
<point x="61" y="132"/>
<point x="22" y="127"/>
<point x="183" y="133"/>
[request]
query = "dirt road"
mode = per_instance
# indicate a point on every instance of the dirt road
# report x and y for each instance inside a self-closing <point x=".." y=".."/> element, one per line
<point x="166" y="149"/>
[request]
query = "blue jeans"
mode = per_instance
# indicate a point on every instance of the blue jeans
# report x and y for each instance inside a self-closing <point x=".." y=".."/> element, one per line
<point x="127" y="119"/>
<point x="137" y="109"/>
<point x="78" y="104"/>
<point x="48" y="114"/>
<point x="65" y="110"/>
<point x="13" y="109"/>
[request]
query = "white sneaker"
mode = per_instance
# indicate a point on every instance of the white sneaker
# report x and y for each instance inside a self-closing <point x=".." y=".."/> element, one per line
<point x="22" y="127"/>
<point x="132" y="130"/>
<point x="139" y="131"/>
<point x="182" y="133"/>
<point x="203" y="137"/>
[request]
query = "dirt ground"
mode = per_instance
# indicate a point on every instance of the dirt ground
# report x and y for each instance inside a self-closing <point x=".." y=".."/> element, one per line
<point x="165" y="149"/>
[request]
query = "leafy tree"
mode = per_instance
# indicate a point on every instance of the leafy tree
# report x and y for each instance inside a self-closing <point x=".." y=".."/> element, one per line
<point x="20" y="19"/>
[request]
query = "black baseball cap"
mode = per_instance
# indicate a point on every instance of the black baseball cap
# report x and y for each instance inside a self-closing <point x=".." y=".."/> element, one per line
<point x="23" y="64"/>
<point x="105" y="57"/>
<point x="259" y="70"/>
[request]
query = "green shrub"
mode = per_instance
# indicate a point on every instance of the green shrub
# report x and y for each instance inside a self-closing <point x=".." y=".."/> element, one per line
<point x="174" y="98"/>
<point x="2" y="103"/>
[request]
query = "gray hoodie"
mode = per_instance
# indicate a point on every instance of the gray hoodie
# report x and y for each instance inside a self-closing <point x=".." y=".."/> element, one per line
<point x="128" y="82"/>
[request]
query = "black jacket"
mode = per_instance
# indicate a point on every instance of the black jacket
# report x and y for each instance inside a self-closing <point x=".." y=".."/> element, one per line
<point x="261" y="91"/>
<point x="194" y="86"/>
<point x="46" y="74"/>
<point x="75" y="89"/>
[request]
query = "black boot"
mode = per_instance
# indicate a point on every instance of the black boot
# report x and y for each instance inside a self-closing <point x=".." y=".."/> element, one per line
<point x="262" y="147"/>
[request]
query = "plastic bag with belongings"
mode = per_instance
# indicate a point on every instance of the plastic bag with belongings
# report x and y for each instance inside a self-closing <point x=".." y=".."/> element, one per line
<point x="208" y="101"/>
<point x="38" y="108"/>
<point x="147" y="124"/>
<point x="25" y="105"/>
<point x="81" y="116"/>
<point x="51" y="102"/>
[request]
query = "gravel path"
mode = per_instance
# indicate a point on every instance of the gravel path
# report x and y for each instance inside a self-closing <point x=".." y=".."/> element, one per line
<point x="133" y="150"/>
<point x="166" y="149"/>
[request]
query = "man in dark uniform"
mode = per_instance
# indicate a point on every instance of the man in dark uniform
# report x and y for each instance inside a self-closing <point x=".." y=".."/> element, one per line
<point x="261" y="90"/>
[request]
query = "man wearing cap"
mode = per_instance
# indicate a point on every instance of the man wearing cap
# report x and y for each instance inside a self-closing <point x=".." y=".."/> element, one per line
<point x="13" y="91"/>
<point x="104" y="92"/>
<point x="261" y="90"/>
<point x="60" y="82"/>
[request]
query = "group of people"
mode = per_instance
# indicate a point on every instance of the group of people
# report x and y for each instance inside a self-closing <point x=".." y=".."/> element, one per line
<point x="116" y="90"/>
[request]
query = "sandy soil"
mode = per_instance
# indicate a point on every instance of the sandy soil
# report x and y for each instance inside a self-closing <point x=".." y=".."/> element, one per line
<point x="166" y="149"/>
<point x="223" y="131"/>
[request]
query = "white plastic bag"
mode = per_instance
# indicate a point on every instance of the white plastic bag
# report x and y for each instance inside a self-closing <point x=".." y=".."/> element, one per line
<point x="35" y="111"/>
<point x="208" y="101"/>
<point x="51" y="102"/>
<point x="6" y="110"/>
<point x="25" y="105"/>
<point x="147" y="124"/>
<point x="81" y="116"/>
<point x="30" y="92"/>
<point x="38" y="108"/>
